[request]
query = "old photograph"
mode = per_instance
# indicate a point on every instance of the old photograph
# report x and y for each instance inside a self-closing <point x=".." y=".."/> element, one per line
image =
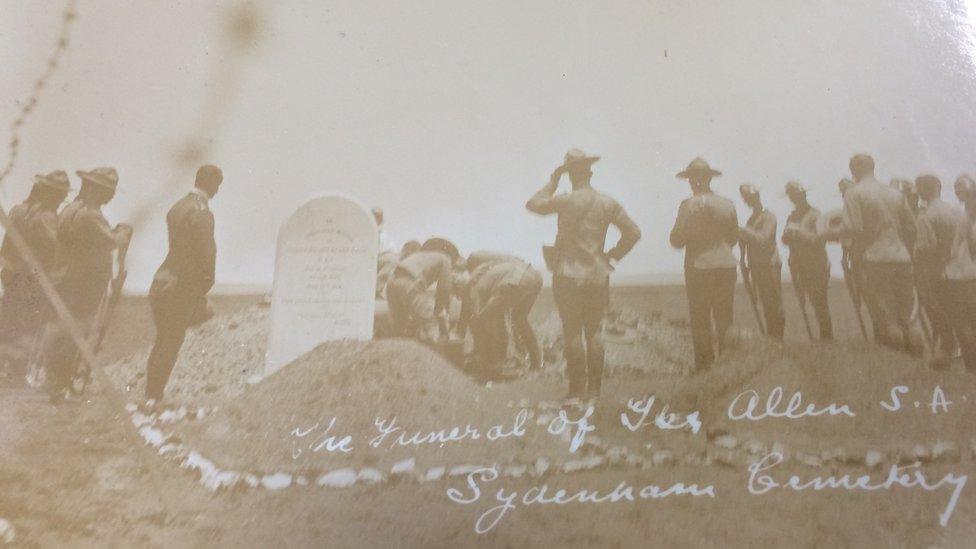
<point x="578" y="273"/>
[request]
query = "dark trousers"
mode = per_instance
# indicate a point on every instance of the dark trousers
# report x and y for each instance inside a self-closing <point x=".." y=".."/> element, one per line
<point x="943" y="339"/>
<point x="710" y="298"/>
<point x="59" y="354"/>
<point x="958" y="298"/>
<point x="490" y="329"/>
<point x="769" y="287"/>
<point x="889" y="291"/>
<point x="172" y="315"/>
<point x="814" y="282"/>
<point x="22" y="312"/>
<point x="582" y="307"/>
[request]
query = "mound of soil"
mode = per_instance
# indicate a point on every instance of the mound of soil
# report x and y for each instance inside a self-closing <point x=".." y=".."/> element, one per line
<point x="277" y="424"/>
<point x="858" y="375"/>
<point x="215" y="361"/>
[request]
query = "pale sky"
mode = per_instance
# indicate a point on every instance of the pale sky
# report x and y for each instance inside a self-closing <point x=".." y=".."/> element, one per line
<point x="450" y="114"/>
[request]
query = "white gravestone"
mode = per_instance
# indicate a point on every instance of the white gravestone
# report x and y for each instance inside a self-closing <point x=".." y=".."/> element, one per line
<point x="325" y="278"/>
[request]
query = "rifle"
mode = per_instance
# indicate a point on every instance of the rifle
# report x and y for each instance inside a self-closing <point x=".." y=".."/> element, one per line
<point x="850" y="281"/>
<point x="801" y="299"/>
<point x="82" y="375"/>
<point x="751" y="291"/>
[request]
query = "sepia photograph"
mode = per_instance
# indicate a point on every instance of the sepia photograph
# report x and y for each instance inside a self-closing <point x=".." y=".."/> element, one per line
<point x="577" y="273"/>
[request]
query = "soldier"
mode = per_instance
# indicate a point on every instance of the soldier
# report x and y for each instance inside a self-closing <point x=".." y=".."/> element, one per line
<point x="500" y="289"/>
<point x="882" y="231"/>
<point x="707" y="228"/>
<point x="959" y="287"/>
<point x="23" y="303"/>
<point x="387" y="261"/>
<point x="809" y="266"/>
<point x="761" y="260"/>
<point x="580" y="266"/>
<point x="178" y="294"/>
<point x="936" y="225"/>
<point x="411" y="310"/>
<point x="85" y="244"/>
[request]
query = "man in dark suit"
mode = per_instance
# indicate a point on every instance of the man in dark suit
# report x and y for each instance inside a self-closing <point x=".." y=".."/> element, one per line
<point x="178" y="292"/>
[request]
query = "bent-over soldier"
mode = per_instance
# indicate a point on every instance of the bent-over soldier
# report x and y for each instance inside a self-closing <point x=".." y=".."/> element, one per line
<point x="809" y="266"/>
<point x="178" y="295"/>
<point x="581" y="266"/>
<point x="412" y="311"/>
<point x="882" y="231"/>
<point x="757" y="241"/>
<point x="85" y="245"/>
<point x="500" y="289"/>
<point x="707" y="228"/>
<point x="23" y="303"/>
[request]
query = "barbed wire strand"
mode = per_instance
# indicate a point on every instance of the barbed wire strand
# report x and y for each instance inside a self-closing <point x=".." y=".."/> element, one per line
<point x="68" y="18"/>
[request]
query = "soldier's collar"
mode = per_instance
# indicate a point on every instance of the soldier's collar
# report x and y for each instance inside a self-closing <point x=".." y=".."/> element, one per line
<point x="201" y="193"/>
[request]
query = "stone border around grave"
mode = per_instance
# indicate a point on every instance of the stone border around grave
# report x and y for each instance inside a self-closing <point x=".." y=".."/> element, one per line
<point x="723" y="450"/>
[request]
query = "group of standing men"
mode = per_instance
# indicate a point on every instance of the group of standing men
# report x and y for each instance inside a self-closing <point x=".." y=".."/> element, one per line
<point x="904" y="250"/>
<point x="75" y="250"/>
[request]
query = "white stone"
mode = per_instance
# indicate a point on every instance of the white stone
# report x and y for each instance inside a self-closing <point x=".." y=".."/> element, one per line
<point x="7" y="533"/>
<point x="340" y="478"/>
<point x="516" y="471"/>
<point x="403" y="466"/>
<point x="945" y="450"/>
<point x="370" y="475"/>
<point x="434" y="473"/>
<point x="325" y="278"/>
<point x="277" y="481"/>
<point x="873" y="458"/>
<point x="662" y="457"/>
<point x="728" y="442"/>
<point x="540" y="467"/>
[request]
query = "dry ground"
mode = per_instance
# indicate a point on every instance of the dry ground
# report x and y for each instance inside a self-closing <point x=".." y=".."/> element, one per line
<point x="75" y="476"/>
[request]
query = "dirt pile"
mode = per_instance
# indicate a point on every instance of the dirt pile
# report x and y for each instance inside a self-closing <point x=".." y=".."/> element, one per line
<point x="857" y="375"/>
<point x="215" y="362"/>
<point x="281" y="423"/>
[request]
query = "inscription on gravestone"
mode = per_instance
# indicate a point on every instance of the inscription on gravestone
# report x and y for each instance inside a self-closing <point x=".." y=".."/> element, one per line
<point x="325" y="278"/>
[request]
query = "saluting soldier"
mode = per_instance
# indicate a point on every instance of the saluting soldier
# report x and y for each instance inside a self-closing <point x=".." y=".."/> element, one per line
<point x="809" y="266"/>
<point x="23" y="303"/>
<point x="85" y="242"/>
<point x="936" y="224"/>
<point x="581" y="265"/>
<point x="758" y="242"/>
<point x="707" y="228"/>
<point x="881" y="227"/>
<point x="412" y="311"/>
<point x="178" y="294"/>
<point x="500" y="288"/>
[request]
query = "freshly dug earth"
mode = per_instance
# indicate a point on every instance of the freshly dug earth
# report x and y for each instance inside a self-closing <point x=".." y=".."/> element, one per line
<point x="215" y="361"/>
<point x="277" y="424"/>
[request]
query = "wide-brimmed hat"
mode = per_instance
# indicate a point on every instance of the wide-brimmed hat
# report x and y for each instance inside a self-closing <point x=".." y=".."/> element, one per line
<point x="57" y="180"/>
<point x="575" y="157"/>
<point x="748" y="188"/>
<point x="927" y="180"/>
<point x="437" y="244"/>
<point x="106" y="177"/>
<point x="794" y="187"/>
<point x="698" y="166"/>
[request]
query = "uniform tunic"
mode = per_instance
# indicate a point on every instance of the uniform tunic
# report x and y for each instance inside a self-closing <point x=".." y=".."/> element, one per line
<point x="707" y="228"/>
